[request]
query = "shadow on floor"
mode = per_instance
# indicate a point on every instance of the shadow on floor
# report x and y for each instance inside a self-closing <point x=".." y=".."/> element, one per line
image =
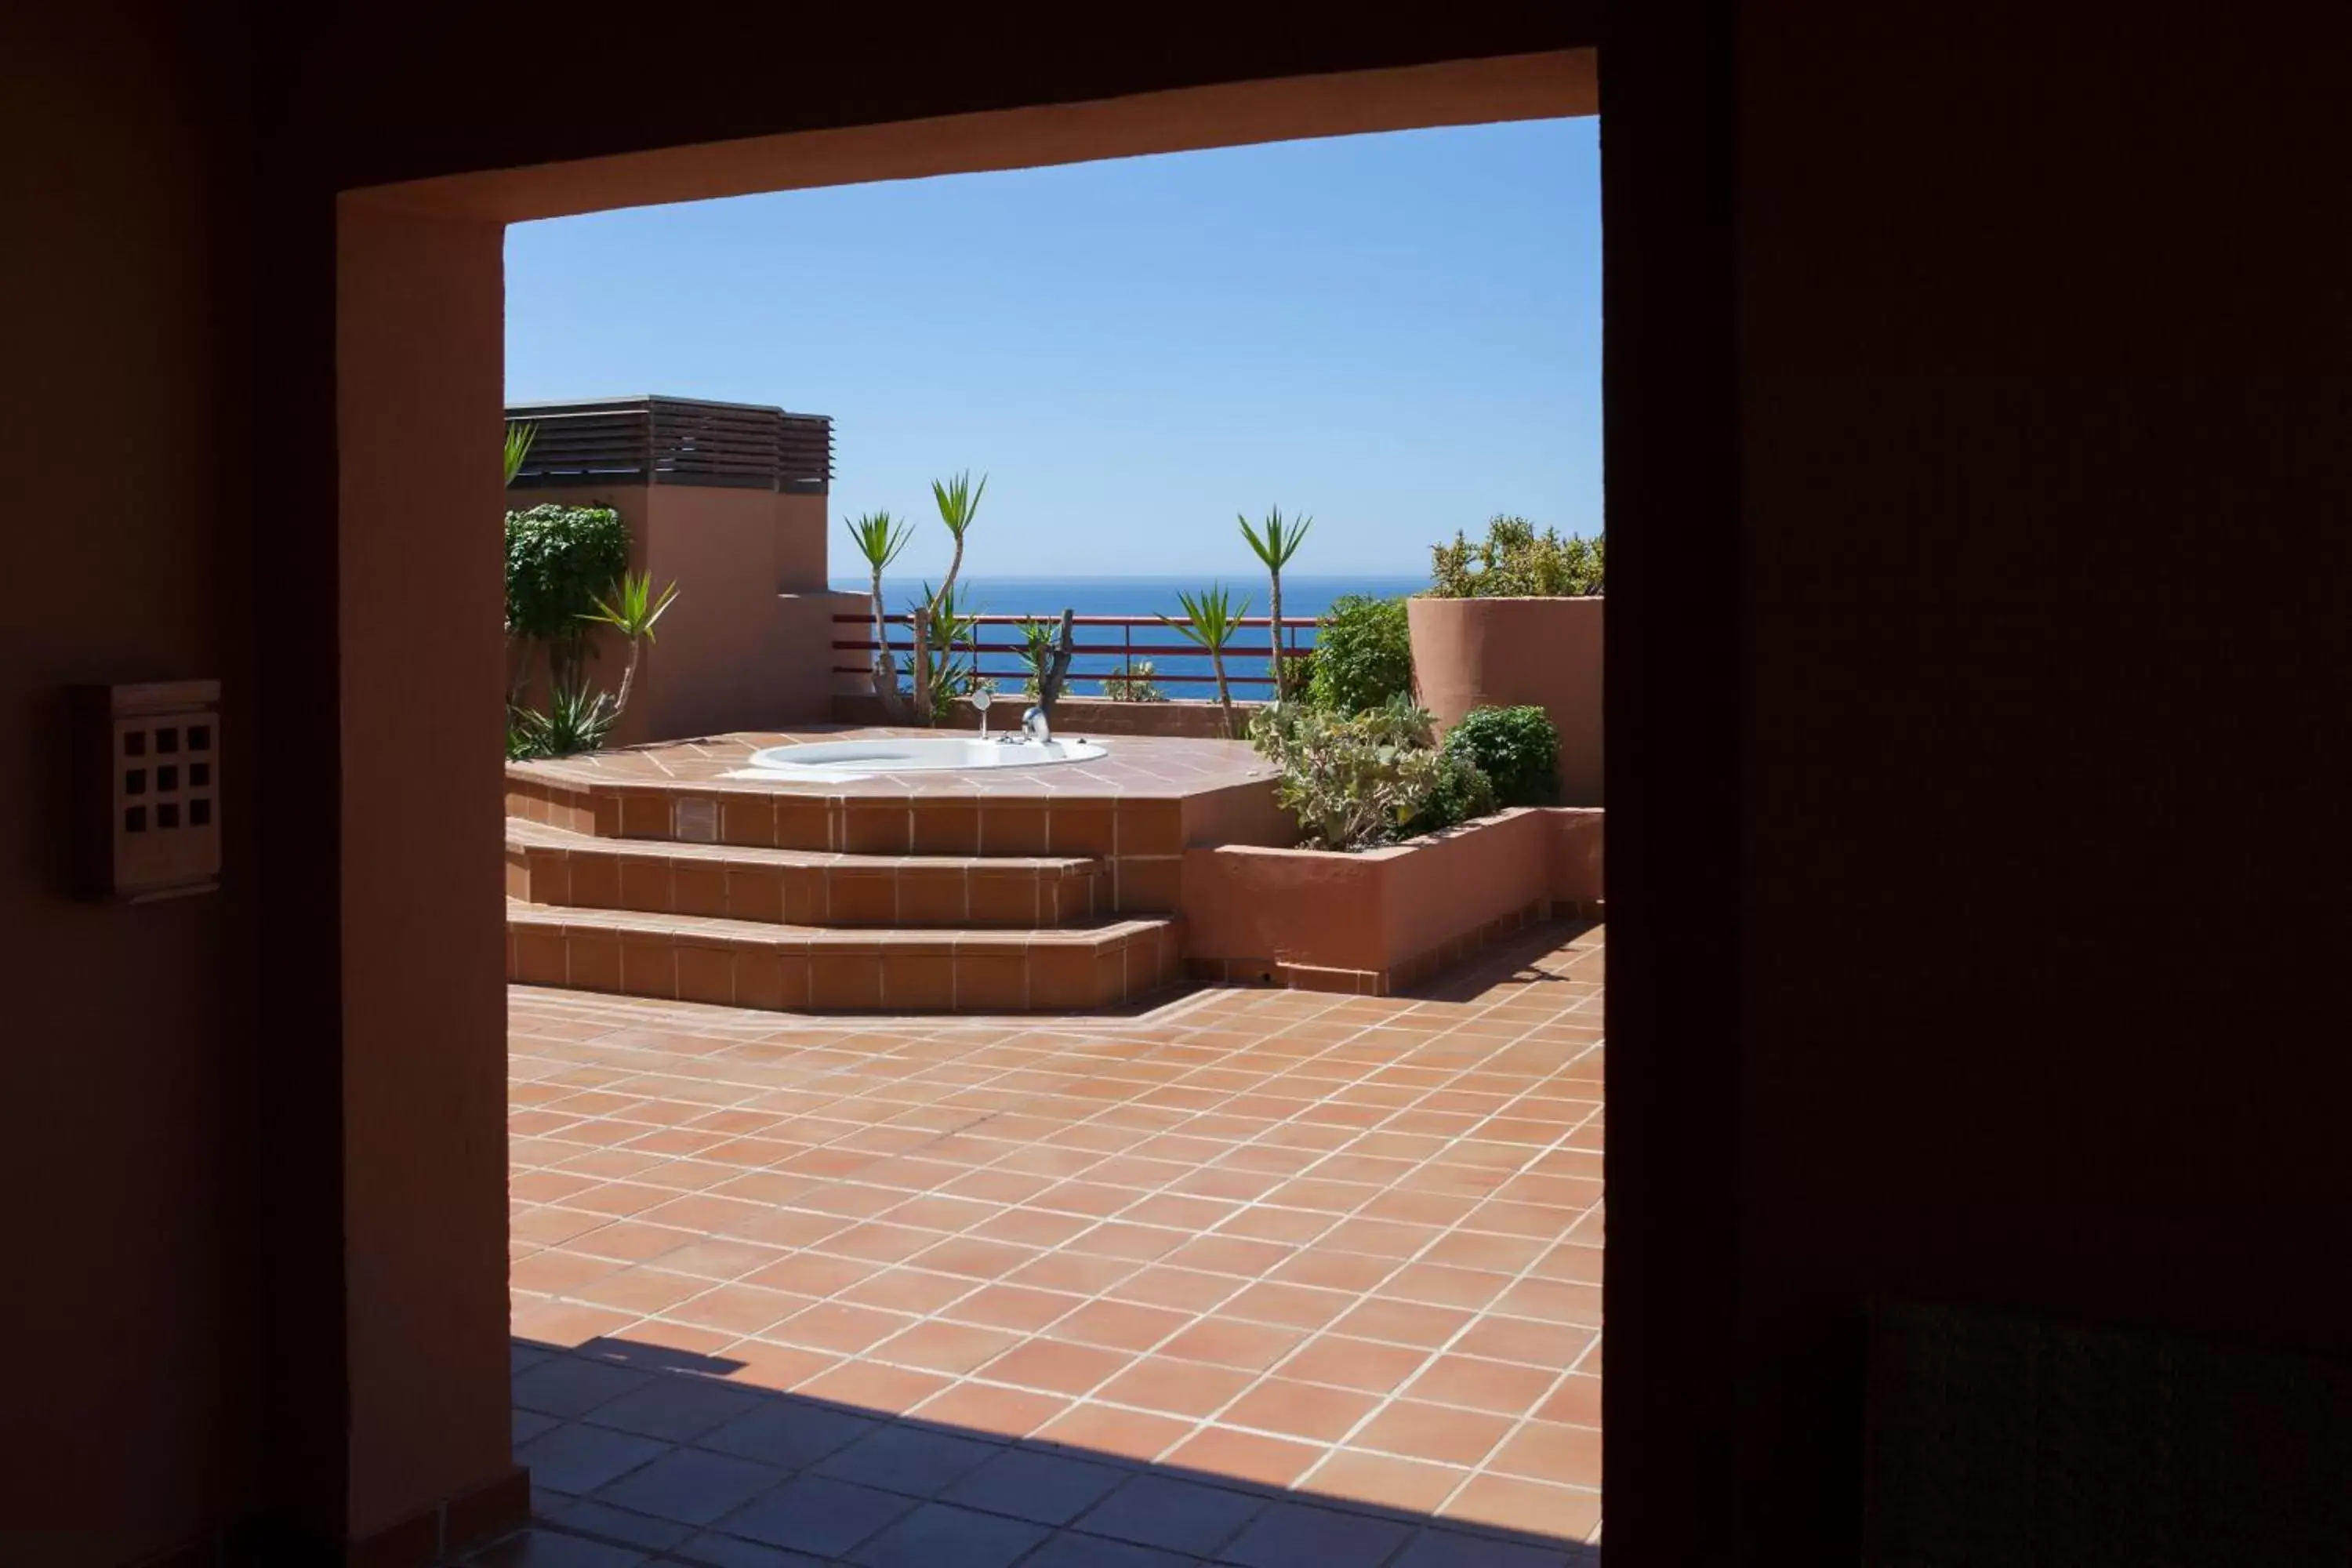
<point x="1517" y="961"/>
<point x="643" y="1456"/>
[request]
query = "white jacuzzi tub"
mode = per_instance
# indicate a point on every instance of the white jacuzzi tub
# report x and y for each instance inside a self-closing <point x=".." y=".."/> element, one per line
<point x="916" y="755"/>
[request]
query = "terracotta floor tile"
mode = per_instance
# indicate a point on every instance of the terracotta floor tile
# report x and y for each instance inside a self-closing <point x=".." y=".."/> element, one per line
<point x="1129" y="1434"/>
<point x="1353" y="1363"/>
<point x="1353" y="1272"/>
<point x="974" y="1258"/>
<point x="1251" y="1347"/>
<point x="1054" y="1367"/>
<point x="868" y="1385"/>
<point x="983" y="1407"/>
<point x="1542" y="1451"/>
<point x="880" y="1242"/>
<point x="1553" y="1301"/>
<point x="1576" y="1401"/>
<point x="1031" y="1484"/>
<point x="1415" y="1431"/>
<point x="1013" y="1307"/>
<point x="738" y="1308"/>
<point x="928" y="1200"/>
<point x="1295" y="1306"/>
<point x="1566" y="1261"/>
<point x="1175" y="1387"/>
<point x="906" y="1290"/>
<point x="1120" y="1325"/>
<point x="759" y="1364"/>
<point x="1401" y="1322"/>
<point x="1414" y="1485"/>
<point x="1310" y="1530"/>
<point x="1247" y="1456"/>
<point x="1492" y="1254"/>
<point x="692" y="1487"/>
<point x="1119" y="1238"/>
<point x="1554" y="1346"/>
<point x="1503" y="1388"/>
<point x="1299" y="1410"/>
<point x="1230" y="1255"/>
<point x="945" y="1347"/>
<point x="1524" y="1505"/>
<point x="1186" y="1290"/>
<point x="1076" y="1272"/>
<point x="838" y="1326"/>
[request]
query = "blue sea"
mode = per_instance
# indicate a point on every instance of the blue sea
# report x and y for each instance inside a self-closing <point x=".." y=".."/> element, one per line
<point x="1048" y="598"/>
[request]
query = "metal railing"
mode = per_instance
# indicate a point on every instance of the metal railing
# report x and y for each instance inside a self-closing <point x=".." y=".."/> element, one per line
<point x="1248" y="661"/>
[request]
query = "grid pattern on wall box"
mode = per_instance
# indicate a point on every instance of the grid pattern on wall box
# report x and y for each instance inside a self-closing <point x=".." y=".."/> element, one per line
<point x="676" y="441"/>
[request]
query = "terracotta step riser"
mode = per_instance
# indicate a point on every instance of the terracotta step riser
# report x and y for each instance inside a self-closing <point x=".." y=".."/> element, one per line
<point x="986" y="897"/>
<point x="660" y="966"/>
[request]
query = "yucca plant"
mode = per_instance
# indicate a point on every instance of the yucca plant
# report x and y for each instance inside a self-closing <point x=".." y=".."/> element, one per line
<point x="947" y="676"/>
<point x="578" y="718"/>
<point x="519" y="439"/>
<point x="1274" y="548"/>
<point x="959" y="502"/>
<point x="879" y="537"/>
<point x="1037" y="652"/>
<point x="1210" y="618"/>
<point x="633" y="609"/>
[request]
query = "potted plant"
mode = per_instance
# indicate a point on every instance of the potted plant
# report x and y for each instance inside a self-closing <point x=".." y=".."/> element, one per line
<point x="1512" y="620"/>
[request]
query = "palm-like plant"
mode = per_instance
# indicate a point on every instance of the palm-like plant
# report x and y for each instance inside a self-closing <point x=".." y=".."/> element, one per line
<point x="1210" y="618"/>
<point x="1274" y="548"/>
<point x="879" y="537"/>
<point x="632" y="611"/>
<point x="946" y="675"/>
<point x="519" y="438"/>
<point x="959" y="502"/>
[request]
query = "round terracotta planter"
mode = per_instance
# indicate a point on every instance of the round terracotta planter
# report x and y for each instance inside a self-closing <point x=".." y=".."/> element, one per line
<point x="1502" y="653"/>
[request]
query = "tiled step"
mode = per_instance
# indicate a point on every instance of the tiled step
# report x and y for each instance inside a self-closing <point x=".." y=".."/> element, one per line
<point x="547" y="865"/>
<point x="756" y="963"/>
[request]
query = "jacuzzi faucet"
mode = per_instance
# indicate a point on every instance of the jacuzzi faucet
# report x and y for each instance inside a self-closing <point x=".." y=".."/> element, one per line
<point x="1037" y="724"/>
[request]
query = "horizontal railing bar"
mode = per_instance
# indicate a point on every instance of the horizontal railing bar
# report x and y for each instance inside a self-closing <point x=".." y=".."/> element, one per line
<point x="1154" y="650"/>
<point x="1169" y="677"/>
<point x="901" y="618"/>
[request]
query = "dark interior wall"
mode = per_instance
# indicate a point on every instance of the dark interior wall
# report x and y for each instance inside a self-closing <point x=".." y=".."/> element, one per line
<point x="2042" y="332"/>
<point x="127" y="1066"/>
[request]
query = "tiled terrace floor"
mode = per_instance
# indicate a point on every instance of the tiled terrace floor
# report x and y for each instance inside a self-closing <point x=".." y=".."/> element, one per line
<point x="1258" y="1277"/>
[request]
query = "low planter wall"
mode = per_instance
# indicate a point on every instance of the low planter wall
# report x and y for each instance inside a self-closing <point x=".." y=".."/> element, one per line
<point x="1501" y="653"/>
<point x="1075" y="716"/>
<point x="1384" y="920"/>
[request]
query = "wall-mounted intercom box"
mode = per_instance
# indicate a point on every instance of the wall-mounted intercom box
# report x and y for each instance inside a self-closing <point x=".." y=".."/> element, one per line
<point x="148" y="775"/>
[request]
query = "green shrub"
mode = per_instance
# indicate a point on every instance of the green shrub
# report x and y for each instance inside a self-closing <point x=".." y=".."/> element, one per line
<point x="1463" y="791"/>
<point x="1515" y="562"/>
<point x="559" y="558"/>
<point x="1516" y="748"/>
<point x="1353" y="780"/>
<point x="1362" y="657"/>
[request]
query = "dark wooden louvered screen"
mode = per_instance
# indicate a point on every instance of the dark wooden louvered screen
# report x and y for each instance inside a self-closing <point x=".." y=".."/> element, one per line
<point x="675" y="441"/>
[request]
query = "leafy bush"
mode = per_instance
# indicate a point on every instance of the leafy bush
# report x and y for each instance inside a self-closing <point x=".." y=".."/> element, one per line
<point x="1363" y="655"/>
<point x="1352" y="779"/>
<point x="1516" y="748"/>
<point x="559" y="558"/>
<point x="1515" y="562"/>
<point x="1463" y="791"/>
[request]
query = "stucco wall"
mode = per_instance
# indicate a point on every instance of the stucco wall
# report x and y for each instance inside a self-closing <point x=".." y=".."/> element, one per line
<point x="746" y="645"/>
<point x="1500" y="653"/>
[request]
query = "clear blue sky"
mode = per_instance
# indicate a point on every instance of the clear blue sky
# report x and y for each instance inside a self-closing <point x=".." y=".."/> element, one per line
<point x="1399" y="334"/>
